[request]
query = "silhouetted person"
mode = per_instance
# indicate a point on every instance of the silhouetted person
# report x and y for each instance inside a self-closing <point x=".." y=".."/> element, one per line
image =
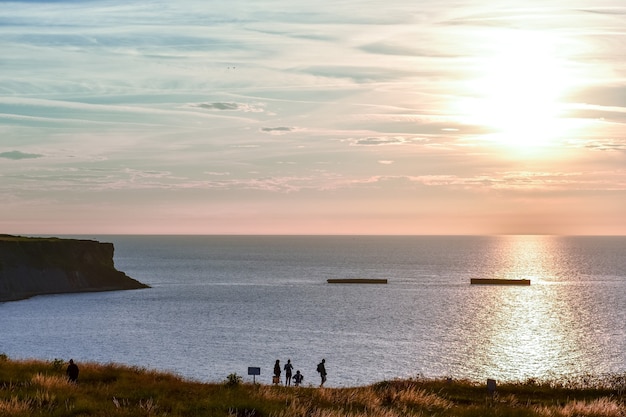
<point x="72" y="371"/>
<point x="288" y="370"/>
<point x="321" y="368"/>
<point x="276" y="379"/>
<point x="297" y="378"/>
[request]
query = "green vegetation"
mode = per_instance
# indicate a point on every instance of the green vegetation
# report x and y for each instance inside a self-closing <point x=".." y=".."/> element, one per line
<point x="39" y="388"/>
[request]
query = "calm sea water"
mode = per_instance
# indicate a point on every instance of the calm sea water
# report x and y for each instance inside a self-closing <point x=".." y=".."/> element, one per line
<point x="219" y="304"/>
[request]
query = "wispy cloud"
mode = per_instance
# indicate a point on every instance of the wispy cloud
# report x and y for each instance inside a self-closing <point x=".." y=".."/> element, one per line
<point x="380" y="141"/>
<point x="248" y="104"/>
<point x="230" y="106"/>
<point x="219" y="106"/>
<point x="16" y="155"/>
<point x="281" y="130"/>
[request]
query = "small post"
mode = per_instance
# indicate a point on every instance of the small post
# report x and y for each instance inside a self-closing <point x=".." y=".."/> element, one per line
<point x="254" y="371"/>
<point x="491" y="387"/>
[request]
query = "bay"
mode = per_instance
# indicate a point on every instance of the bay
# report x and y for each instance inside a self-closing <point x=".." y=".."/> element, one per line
<point x="219" y="304"/>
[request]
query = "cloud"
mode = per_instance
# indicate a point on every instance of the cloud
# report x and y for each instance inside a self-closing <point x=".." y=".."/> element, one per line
<point x="277" y="130"/>
<point x="230" y="106"/>
<point x="606" y="11"/>
<point x="19" y="155"/>
<point x="616" y="114"/>
<point x="380" y="141"/>
<point x="219" y="106"/>
<point x="514" y="182"/>
<point x="358" y="74"/>
<point x="607" y="145"/>
<point x="121" y="97"/>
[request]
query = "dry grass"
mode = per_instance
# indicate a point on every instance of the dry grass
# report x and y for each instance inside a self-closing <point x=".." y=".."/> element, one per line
<point x="601" y="407"/>
<point x="30" y="388"/>
<point x="51" y="381"/>
<point x="14" y="406"/>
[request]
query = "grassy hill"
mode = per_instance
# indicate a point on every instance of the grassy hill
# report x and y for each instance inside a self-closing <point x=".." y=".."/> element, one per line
<point x="40" y="388"/>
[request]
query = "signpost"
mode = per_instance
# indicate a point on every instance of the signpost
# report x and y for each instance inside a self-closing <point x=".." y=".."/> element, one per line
<point x="254" y="371"/>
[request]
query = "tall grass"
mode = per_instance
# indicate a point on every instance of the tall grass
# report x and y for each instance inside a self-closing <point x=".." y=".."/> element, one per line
<point x="601" y="407"/>
<point x="39" y="388"/>
<point x="13" y="406"/>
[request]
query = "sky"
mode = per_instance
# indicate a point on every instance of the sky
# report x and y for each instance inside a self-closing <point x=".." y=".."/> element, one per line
<point x="451" y="117"/>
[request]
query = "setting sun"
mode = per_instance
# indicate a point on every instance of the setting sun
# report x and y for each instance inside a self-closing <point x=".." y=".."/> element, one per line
<point x="517" y="91"/>
<point x="432" y="118"/>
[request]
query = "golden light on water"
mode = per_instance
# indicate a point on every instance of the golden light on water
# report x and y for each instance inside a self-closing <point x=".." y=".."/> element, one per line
<point x="517" y="89"/>
<point x="527" y="257"/>
<point x="528" y="329"/>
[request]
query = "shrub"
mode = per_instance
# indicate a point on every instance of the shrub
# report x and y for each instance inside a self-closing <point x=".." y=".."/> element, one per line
<point x="58" y="364"/>
<point x="233" y="380"/>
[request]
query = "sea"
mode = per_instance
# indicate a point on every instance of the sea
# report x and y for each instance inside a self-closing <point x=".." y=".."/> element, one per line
<point x="219" y="305"/>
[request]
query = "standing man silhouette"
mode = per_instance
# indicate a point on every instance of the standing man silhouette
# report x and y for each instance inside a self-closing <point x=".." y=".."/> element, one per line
<point x="72" y="371"/>
<point x="321" y="368"/>
<point x="288" y="370"/>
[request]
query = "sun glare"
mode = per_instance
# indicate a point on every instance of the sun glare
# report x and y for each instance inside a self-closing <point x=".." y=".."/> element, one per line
<point x="517" y="91"/>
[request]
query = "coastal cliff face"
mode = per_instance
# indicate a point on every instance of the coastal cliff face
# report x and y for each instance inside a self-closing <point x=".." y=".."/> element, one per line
<point x="37" y="266"/>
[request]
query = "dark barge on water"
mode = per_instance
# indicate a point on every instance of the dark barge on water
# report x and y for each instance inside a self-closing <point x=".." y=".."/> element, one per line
<point x="499" y="281"/>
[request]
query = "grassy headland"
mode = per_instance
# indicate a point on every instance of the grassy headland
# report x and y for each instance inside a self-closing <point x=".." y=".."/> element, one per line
<point x="33" y="387"/>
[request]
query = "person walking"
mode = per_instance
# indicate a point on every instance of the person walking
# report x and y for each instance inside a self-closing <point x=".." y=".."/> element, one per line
<point x="321" y="368"/>
<point x="276" y="378"/>
<point x="288" y="370"/>
<point x="72" y="371"/>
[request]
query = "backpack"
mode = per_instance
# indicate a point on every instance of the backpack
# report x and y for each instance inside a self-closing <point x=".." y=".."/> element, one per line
<point x="319" y="367"/>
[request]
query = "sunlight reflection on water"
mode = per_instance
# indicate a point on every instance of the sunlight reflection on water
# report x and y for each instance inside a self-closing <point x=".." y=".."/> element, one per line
<point x="536" y="330"/>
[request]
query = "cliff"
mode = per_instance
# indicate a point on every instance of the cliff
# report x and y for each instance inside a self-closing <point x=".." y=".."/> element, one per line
<point x="37" y="266"/>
